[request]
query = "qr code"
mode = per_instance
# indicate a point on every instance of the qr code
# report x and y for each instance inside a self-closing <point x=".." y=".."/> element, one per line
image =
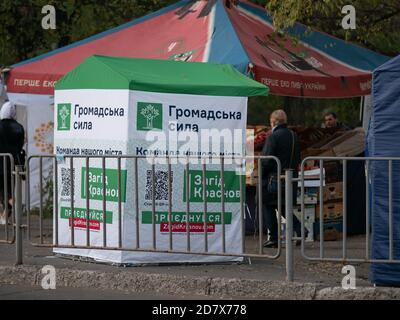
<point x="160" y="183"/>
<point x="66" y="181"/>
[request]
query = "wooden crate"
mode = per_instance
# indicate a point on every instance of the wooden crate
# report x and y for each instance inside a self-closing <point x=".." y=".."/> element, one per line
<point x="333" y="230"/>
<point x="333" y="191"/>
<point x="333" y="210"/>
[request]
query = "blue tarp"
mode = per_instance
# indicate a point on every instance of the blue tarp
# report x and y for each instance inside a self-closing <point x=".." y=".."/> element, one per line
<point x="384" y="141"/>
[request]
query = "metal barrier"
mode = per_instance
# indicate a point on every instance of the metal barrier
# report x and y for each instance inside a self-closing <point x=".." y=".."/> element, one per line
<point x="70" y="161"/>
<point x="18" y="213"/>
<point x="7" y="181"/>
<point x="151" y="163"/>
<point x="344" y="250"/>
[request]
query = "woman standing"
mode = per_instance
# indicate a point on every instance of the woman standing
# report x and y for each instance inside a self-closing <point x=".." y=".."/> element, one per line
<point x="283" y="144"/>
<point x="12" y="136"/>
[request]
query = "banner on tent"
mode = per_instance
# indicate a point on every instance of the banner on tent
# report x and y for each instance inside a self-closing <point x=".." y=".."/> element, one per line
<point x="150" y="126"/>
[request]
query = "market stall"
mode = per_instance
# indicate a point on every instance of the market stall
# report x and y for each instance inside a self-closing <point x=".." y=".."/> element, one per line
<point x="112" y="106"/>
<point x="318" y="142"/>
<point x="238" y="33"/>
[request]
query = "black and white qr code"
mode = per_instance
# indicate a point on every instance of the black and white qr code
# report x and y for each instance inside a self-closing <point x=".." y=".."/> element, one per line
<point x="66" y="181"/>
<point x="160" y="183"/>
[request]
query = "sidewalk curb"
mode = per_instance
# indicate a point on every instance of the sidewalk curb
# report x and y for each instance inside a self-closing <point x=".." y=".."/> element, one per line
<point x="182" y="285"/>
<point x="369" y="293"/>
<point x="164" y="284"/>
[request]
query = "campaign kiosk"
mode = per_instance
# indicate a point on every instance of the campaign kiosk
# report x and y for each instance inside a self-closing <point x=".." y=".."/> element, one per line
<point x="110" y="106"/>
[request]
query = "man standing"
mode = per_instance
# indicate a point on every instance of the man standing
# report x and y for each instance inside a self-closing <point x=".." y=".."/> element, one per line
<point x="331" y="121"/>
<point x="283" y="144"/>
<point x="12" y="136"/>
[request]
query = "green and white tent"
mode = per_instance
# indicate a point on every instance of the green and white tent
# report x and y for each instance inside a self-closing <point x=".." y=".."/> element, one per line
<point x="110" y="106"/>
<point x="103" y="72"/>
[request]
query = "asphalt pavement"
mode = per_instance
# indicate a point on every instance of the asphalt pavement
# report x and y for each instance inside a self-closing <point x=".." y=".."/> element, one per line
<point x="255" y="278"/>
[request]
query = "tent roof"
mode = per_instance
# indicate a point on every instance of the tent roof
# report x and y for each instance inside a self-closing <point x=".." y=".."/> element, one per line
<point x="386" y="100"/>
<point x="384" y="129"/>
<point x="102" y="72"/>
<point x="392" y="65"/>
<point x="220" y="32"/>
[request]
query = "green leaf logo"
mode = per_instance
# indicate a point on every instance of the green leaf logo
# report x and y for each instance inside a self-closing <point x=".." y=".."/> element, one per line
<point x="149" y="116"/>
<point x="64" y="116"/>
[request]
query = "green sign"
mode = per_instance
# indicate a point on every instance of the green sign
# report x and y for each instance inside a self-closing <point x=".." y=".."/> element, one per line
<point x="213" y="189"/>
<point x="149" y="116"/>
<point x="181" y="217"/>
<point x="63" y="116"/>
<point x="81" y="213"/>
<point x="96" y="185"/>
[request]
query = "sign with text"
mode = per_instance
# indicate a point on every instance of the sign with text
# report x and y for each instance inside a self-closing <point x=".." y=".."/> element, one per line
<point x="99" y="127"/>
<point x="96" y="184"/>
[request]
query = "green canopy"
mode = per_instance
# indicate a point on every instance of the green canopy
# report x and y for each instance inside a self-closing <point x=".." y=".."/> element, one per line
<point x="103" y="72"/>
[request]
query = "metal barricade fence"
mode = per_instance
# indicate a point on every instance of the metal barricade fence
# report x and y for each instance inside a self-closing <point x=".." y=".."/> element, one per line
<point x="344" y="256"/>
<point x="150" y="163"/>
<point x="7" y="189"/>
<point x="104" y="161"/>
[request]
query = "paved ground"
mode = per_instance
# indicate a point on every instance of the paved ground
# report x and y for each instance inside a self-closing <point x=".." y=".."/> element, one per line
<point x="20" y="292"/>
<point x="323" y="273"/>
<point x="260" y="271"/>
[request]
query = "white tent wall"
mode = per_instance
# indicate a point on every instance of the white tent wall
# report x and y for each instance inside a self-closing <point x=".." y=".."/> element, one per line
<point x="124" y="134"/>
<point x="36" y="113"/>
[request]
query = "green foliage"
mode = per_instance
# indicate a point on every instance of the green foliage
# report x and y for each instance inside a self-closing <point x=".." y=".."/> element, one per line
<point x="22" y="36"/>
<point x="377" y="28"/>
<point x="377" y="21"/>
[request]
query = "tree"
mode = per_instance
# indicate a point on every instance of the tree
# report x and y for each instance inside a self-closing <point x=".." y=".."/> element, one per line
<point x="378" y="21"/>
<point x="377" y="25"/>
<point x="22" y="36"/>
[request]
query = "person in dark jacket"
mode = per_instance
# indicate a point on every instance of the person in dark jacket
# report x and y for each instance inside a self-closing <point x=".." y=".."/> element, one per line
<point x="12" y="136"/>
<point x="283" y="144"/>
<point x="331" y="121"/>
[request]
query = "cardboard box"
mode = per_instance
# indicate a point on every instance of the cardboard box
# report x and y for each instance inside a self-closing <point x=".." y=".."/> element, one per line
<point x="333" y="191"/>
<point x="333" y="230"/>
<point x="310" y="195"/>
<point x="332" y="210"/>
<point x="351" y="143"/>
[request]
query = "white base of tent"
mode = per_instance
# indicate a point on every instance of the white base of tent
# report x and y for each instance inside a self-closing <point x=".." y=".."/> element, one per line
<point x="139" y="258"/>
